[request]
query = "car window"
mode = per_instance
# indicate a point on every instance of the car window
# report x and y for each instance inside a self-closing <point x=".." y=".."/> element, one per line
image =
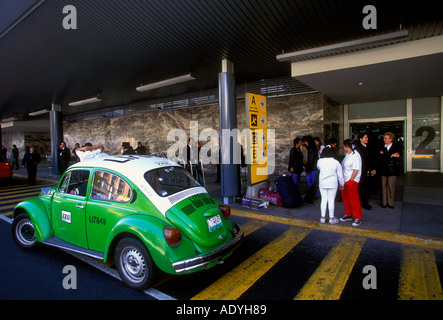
<point x="75" y="182"/>
<point x="108" y="186"/>
<point x="169" y="180"/>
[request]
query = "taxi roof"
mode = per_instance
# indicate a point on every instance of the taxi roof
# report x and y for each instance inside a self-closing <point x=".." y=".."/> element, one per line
<point x="131" y="166"/>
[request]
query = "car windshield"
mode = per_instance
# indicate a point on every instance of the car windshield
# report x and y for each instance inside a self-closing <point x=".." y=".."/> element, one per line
<point x="169" y="180"/>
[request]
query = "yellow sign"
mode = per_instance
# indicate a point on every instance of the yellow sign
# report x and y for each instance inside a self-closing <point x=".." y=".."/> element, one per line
<point x="257" y="141"/>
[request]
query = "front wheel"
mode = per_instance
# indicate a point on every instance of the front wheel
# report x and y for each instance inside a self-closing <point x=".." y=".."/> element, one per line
<point x="134" y="263"/>
<point x="23" y="231"/>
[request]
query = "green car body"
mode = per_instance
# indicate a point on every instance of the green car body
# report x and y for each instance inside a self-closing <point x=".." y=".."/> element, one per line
<point x="169" y="219"/>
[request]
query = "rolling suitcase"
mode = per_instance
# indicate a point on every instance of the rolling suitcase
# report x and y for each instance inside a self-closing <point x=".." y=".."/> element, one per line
<point x="290" y="195"/>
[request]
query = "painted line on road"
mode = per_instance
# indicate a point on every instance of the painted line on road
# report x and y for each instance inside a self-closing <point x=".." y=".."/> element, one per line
<point x="233" y="284"/>
<point x="419" y="279"/>
<point x="330" y="278"/>
<point x="114" y="273"/>
<point x="108" y="270"/>
<point x="392" y="236"/>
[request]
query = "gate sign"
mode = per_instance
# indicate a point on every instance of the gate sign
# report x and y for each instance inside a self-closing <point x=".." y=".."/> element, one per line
<point x="257" y="141"/>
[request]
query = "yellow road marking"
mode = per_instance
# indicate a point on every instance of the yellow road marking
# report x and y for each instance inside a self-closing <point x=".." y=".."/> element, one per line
<point x="19" y="193"/>
<point x="330" y="278"/>
<point x="235" y="283"/>
<point x="16" y="200"/>
<point x="251" y="226"/>
<point x="419" y="279"/>
<point x="398" y="237"/>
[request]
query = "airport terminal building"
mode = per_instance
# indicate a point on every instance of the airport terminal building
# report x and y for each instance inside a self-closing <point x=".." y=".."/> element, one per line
<point x="115" y="72"/>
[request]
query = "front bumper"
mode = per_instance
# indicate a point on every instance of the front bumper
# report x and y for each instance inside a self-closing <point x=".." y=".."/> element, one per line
<point x="216" y="255"/>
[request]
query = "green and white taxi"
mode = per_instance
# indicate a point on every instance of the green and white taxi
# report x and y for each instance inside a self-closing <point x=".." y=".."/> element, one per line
<point x="135" y="211"/>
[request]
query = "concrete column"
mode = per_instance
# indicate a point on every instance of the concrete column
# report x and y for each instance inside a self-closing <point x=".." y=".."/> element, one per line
<point x="56" y="128"/>
<point x="228" y="136"/>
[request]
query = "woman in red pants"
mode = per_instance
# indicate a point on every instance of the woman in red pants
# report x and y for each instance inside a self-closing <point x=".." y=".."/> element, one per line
<point x="351" y="173"/>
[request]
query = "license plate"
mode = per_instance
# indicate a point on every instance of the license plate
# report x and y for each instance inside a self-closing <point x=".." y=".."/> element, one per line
<point x="214" y="223"/>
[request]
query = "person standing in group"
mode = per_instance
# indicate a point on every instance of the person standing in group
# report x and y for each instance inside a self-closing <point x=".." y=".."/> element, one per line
<point x="367" y="170"/>
<point x="295" y="166"/>
<point x="351" y="174"/>
<point x="311" y="168"/>
<point x="319" y="146"/>
<point x="330" y="177"/>
<point x="64" y="157"/>
<point x="141" y="149"/>
<point x="31" y="160"/>
<point x="389" y="169"/>
<point x="15" y="154"/>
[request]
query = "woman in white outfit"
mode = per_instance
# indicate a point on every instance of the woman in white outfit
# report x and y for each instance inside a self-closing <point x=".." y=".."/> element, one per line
<point x="331" y="176"/>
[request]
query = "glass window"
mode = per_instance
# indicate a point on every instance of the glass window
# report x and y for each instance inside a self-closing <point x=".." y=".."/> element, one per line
<point x="426" y="119"/>
<point x="108" y="186"/>
<point x="169" y="180"/>
<point x="75" y="182"/>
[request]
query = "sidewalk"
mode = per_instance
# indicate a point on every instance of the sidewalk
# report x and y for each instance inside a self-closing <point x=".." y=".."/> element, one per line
<point x="418" y="207"/>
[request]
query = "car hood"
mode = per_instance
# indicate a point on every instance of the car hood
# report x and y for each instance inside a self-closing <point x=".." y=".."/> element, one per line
<point x="199" y="218"/>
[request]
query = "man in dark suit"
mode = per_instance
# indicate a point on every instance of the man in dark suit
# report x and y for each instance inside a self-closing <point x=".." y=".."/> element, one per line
<point x="31" y="160"/>
<point x="64" y="157"/>
<point x="367" y="170"/>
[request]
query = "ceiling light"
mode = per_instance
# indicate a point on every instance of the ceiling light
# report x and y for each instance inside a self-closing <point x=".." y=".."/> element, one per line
<point x="39" y="112"/>
<point x="86" y="101"/>
<point x="10" y="119"/>
<point x="164" y="83"/>
<point x="345" y="47"/>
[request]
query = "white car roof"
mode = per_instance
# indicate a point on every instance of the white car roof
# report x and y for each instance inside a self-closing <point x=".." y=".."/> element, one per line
<point x="128" y="165"/>
<point x="134" y="167"/>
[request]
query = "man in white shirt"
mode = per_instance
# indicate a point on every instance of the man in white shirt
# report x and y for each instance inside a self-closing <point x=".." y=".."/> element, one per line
<point x="89" y="152"/>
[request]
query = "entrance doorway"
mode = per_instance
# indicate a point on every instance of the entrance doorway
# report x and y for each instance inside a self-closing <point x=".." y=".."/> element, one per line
<point x="376" y="131"/>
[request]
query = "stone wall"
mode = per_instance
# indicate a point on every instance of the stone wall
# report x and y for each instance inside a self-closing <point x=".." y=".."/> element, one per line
<point x="289" y="116"/>
<point x="41" y="141"/>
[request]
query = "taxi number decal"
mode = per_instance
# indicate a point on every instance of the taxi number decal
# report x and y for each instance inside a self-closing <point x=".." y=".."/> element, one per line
<point x="97" y="220"/>
<point x="66" y="216"/>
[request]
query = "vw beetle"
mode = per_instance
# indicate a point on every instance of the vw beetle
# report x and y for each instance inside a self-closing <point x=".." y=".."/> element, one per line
<point x="135" y="211"/>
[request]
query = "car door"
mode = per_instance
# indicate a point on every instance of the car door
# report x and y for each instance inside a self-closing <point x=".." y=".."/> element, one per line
<point x="110" y="200"/>
<point x="69" y="207"/>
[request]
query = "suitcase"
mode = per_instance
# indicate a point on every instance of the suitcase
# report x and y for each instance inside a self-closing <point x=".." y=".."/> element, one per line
<point x="290" y="195"/>
<point x="272" y="196"/>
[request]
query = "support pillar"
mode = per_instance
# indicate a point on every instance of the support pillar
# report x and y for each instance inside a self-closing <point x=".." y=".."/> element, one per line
<point x="56" y="128"/>
<point x="228" y="136"/>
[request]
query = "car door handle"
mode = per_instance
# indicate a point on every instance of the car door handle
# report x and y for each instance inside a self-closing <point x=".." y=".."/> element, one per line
<point x="80" y="206"/>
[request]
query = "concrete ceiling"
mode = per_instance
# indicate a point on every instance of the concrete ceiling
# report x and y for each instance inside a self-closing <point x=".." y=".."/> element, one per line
<point x="119" y="45"/>
<point x="407" y="78"/>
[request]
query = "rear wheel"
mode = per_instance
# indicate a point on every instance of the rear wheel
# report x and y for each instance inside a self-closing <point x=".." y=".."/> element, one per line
<point x="23" y="231"/>
<point x="134" y="263"/>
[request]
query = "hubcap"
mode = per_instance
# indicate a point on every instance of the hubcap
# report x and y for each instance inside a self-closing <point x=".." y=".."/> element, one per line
<point x="25" y="232"/>
<point x="133" y="264"/>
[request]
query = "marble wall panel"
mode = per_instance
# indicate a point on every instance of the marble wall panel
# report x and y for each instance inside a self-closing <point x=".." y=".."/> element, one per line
<point x="289" y="116"/>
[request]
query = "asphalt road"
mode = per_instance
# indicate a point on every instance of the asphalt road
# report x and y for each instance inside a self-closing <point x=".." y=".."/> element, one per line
<point x="275" y="262"/>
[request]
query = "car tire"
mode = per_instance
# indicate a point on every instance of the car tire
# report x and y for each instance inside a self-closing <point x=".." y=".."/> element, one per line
<point x="23" y="231"/>
<point x="134" y="263"/>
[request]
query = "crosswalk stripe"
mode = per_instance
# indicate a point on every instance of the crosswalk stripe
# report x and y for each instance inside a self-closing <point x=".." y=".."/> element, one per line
<point x="419" y="279"/>
<point x="330" y="277"/>
<point x="235" y="283"/>
<point x="19" y="192"/>
<point x="17" y="199"/>
<point x="252" y="225"/>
